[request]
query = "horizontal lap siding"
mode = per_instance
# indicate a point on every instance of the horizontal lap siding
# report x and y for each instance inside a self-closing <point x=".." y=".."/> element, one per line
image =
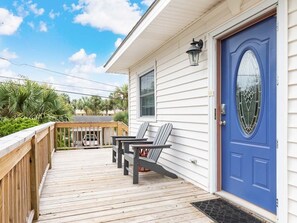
<point x="292" y="111"/>
<point x="182" y="98"/>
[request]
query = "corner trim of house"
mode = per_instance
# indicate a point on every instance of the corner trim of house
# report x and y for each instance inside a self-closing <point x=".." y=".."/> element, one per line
<point x="213" y="141"/>
<point x="282" y="88"/>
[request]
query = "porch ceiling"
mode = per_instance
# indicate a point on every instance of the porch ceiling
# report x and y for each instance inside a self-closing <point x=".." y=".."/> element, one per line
<point x="164" y="19"/>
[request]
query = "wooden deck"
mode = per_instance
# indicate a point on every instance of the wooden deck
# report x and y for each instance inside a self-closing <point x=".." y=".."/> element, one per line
<point x="84" y="186"/>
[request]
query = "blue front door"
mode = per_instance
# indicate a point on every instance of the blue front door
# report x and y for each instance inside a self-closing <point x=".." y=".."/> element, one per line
<point x="248" y="97"/>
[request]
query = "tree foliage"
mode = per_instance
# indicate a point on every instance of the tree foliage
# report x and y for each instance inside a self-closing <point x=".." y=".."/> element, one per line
<point x="32" y="100"/>
<point x="121" y="117"/>
<point x="120" y="97"/>
<point x="95" y="105"/>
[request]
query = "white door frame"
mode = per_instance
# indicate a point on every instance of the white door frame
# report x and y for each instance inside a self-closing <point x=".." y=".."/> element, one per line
<point x="282" y="95"/>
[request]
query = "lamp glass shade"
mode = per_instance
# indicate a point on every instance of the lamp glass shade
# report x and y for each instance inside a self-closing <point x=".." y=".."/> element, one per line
<point x="193" y="57"/>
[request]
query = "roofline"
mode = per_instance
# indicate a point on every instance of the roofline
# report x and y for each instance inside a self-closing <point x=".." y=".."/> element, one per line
<point x="152" y="6"/>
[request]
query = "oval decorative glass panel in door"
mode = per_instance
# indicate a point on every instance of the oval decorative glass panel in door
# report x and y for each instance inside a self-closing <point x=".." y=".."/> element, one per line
<point x="248" y="92"/>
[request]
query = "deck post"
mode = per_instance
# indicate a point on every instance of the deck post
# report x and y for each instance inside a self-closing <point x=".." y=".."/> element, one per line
<point x="49" y="144"/>
<point x="34" y="178"/>
<point x="120" y="129"/>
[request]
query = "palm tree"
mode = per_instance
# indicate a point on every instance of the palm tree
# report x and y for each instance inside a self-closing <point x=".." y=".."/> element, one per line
<point x="106" y="105"/>
<point x="32" y="100"/>
<point x="94" y="104"/>
<point x="74" y="103"/>
<point x="121" y="97"/>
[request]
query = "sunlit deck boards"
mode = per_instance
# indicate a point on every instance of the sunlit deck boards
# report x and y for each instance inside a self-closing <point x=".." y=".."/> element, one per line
<point x="84" y="186"/>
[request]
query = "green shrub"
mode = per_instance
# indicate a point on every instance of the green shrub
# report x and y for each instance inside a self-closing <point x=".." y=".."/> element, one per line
<point x="12" y="125"/>
<point x="121" y="117"/>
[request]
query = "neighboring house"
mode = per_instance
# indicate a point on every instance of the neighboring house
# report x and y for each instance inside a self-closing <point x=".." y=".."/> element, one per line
<point x="110" y="112"/>
<point x="80" y="112"/>
<point x="92" y="118"/>
<point x="235" y="114"/>
<point x="102" y="136"/>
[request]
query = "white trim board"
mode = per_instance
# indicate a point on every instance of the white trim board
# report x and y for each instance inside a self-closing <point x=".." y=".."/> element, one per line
<point x="282" y="111"/>
<point x="142" y="73"/>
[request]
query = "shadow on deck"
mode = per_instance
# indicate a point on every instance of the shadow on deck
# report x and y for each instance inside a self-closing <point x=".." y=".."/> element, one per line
<point x="84" y="186"/>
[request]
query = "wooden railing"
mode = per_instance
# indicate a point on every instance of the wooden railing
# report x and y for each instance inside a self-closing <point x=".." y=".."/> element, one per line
<point x="85" y="135"/>
<point x="25" y="158"/>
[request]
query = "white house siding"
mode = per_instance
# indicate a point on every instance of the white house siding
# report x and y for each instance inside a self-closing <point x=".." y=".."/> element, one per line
<point x="182" y="98"/>
<point x="292" y="107"/>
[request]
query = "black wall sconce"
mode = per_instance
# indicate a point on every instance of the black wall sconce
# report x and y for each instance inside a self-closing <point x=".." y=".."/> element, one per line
<point x="194" y="51"/>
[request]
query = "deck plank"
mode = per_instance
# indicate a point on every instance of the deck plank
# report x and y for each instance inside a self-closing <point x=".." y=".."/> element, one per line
<point x="84" y="186"/>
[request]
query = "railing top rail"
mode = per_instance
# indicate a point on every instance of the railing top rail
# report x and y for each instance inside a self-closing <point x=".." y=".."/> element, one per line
<point x="13" y="141"/>
<point x="124" y="126"/>
<point x="85" y="124"/>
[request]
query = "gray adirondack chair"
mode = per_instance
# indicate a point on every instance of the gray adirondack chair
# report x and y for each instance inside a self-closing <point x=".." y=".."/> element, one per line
<point x="117" y="149"/>
<point x="150" y="162"/>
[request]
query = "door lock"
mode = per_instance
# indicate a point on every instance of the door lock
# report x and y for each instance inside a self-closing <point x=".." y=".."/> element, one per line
<point x="222" y="122"/>
<point x="223" y="109"/>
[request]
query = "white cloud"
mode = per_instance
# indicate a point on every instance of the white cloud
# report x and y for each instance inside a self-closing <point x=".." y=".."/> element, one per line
<point x="7" y="73"/>
<point x="76" y="7"/>
<point x="118" y="42"/>
<point x="31" y="24"/>
<point x="84" y="63"/>
<point x="76" y="85"/>
<point x="5" y="65"/>
<point x="147" y="2"/>
<point x="9" y="23"/>
<point x="118" y="16"/>
<point x="66" y="8"/>
<point x="42" y="26"/>
<point x="50" y="79"/>
<point x="53" y="14"/>
<point x="8" y="54"/>
<point x="35" y="10"/>
<point x="5" y="53"/>
<point x="72" y="7"/>
<point x="22" y="12"/>
<point x="40" y="65"/>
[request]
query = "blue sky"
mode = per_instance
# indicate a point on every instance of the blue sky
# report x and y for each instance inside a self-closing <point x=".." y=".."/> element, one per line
<point x="72" y="36"/>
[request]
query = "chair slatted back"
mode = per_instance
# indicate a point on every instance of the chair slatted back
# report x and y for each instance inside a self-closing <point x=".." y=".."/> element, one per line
<point x="160" y="139"/>
<point x="142" y="129"/>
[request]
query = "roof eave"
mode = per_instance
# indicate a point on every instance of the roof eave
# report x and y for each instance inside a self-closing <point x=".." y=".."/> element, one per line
<point x="125" y="44"/>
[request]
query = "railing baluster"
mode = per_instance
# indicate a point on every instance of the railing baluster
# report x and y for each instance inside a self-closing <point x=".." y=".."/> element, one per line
<point x="34" y="178"/>
<point x="99" y="136"/>
<point x="64" y="138"/>
<point x="72" y="134"/>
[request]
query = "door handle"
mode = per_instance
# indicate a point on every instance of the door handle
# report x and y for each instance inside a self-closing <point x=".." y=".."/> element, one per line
<point x="222" y="122"/>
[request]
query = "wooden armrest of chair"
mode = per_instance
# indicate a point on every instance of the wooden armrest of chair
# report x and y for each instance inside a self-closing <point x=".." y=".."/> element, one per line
<point x="132" y="140"/>
<point x="123" y="137"/>
<point x="128" y="143"/>
<point x="145" y="146"/>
